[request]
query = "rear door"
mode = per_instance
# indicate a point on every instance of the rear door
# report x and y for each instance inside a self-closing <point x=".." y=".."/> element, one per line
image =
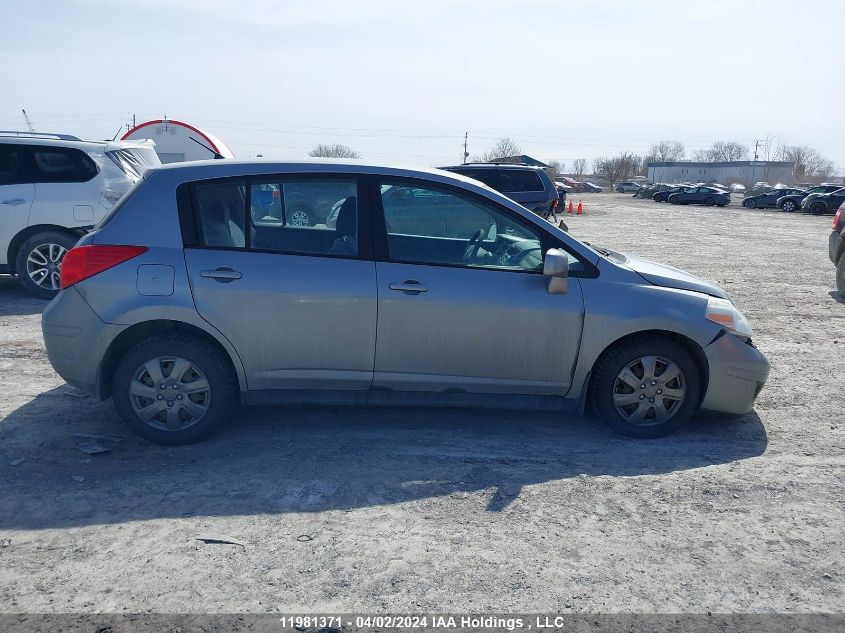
<point x="298" y="303"/>
<point x="16" y="195"/>
<point x="463" y="304"/>
<point x="67" y="189"/>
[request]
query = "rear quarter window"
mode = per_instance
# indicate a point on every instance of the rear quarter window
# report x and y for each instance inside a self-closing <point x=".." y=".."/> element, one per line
<point x="62" y="164"/>
<point x="517" y="181"/>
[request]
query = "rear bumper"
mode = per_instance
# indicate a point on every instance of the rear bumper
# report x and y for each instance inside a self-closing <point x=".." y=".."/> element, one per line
<point x="738" y="372"/>
<point x="835" y="246"/>
<point x="76" y="339"/>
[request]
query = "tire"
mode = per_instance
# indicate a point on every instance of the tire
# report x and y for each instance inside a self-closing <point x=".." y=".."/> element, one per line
<point x="789" y="206"/>
<point x="211" y="406"/>
<point x="709" y="202"/>
<point x="620" y="190"/>
<point x="299" y="216"/>
<point x="657" y="198"/>
<point x="749" y="204"/>
<point x="818" y="208"/>
<point x="840" y="276"/>
<point x="669" y="356"/>
<point x="43" y="253"/>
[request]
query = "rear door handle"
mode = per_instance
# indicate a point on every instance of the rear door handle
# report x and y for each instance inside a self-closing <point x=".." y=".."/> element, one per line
<point x="224" y="275"/>
<point x="14" y="201"/>
<point x="409" y="287"/>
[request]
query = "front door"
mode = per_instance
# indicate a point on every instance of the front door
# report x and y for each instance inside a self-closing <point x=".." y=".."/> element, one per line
<point x="462" y="302"/>
<point x="298" y="303"/>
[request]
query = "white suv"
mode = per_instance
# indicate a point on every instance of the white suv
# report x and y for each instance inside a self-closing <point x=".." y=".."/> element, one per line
<point x="53" y="189"/>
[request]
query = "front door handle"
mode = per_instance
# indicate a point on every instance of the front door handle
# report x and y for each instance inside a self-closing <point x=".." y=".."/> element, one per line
<point x="409" y="287"/>
<point x="223" y="275"/>
<point x="14" y="201"/>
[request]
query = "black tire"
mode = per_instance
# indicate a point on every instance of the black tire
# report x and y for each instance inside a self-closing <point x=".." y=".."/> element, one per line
<point x="40" y="241"/>
<point x="792" y="206"/>
<point x="749" y="204"/>
<point x="620" y="190"/>
<point x="657" y="197"/>
<point x="818" y="208"/>
<point x="211" y="360"/>
<point x="840" y="276"/>
<point x="615" y="359"/>
<point x="709" y="202"/>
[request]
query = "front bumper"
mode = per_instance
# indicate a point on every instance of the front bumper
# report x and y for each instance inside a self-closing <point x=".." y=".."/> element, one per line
<point x="835" y="246"/>
<point x="76" y="339"/>
<point x="738" y="372"/>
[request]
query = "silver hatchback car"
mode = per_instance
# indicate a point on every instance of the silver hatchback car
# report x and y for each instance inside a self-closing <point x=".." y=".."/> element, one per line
<point x="198" y="292"/>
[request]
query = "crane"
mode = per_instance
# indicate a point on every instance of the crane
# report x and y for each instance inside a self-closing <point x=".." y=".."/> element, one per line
<point x="28" y="122"/>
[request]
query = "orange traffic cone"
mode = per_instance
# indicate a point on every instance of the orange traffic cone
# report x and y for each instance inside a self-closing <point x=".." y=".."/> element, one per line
<point x="569" y="210"/>
<point x="580" y="209"/>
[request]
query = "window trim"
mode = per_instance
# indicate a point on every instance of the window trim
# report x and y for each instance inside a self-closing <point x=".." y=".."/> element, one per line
<point x="381" y="251"/>
<point x="365" y="250"/>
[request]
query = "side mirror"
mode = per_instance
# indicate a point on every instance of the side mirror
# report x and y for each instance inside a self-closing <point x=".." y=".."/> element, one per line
<point x="556" y="268"/>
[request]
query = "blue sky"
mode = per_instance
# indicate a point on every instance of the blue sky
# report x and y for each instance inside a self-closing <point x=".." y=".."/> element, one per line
<point x="402" y="81"/>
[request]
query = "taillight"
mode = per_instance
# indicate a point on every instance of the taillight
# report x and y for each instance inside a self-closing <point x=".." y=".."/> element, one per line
<point x="83" y="262"/>
<point x="555" y="202"/>
<point x="836" y="218"/>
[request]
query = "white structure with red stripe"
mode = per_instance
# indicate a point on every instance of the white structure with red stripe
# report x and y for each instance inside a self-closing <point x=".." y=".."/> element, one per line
<point x="177" y="141"/>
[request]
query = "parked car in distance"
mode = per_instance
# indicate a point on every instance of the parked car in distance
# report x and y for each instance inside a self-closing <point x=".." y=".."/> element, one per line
<point x="663" y="196"/>
<point x="530" y="186"/>
<point x="53" y="188"/>
<point x="836" y="248"/>
<point x="708" y="196"/>
<point x="431" y="289"/>
<point x="590" y="187"/>
<point x="769" y="199"/>
<point x="792" y="202"/>
<point x="822" y="203"/>
<point x="737" y="188"/>
<point x="626" y="187"/>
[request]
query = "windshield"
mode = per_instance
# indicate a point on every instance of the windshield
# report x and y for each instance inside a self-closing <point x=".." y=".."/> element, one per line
<point x="132" y="161"/>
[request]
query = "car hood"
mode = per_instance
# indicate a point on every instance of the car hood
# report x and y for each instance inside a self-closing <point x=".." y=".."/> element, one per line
<point x="670" y="277"/>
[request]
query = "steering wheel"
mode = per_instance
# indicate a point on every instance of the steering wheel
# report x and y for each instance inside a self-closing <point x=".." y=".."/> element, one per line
<point x="473" y="246"/>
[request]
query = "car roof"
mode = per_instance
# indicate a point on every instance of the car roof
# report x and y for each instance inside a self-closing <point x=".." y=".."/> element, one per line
<point x="492" y="166"/>
<point x="63" y="140"/>
<point x="222" y="168"/>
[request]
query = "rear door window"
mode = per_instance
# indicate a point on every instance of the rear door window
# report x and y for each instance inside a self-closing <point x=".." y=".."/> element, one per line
<point x="520" y="181"/>
<point x="11" y="164"/>
<point x="221" y="207"/>
<point x="62" y="164"/>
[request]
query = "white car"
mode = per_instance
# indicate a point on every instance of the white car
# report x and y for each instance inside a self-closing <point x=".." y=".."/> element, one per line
<point x="53" y="189"/>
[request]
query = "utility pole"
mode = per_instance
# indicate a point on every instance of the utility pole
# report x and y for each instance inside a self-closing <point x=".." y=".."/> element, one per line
<point x="466" y="154"/>
<point x="28" y="122"/>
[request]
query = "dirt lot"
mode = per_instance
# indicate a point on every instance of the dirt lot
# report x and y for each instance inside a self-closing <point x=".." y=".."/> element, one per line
<point x="428" y="510"/>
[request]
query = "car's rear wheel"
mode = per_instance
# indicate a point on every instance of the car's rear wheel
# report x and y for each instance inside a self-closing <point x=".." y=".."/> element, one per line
<point x="788" y="206"/>
<point x="749" y="204"/>
<point x="39" y="262"/>
<point x="646" y="387"/>
<point x="818" y="208"/>
<point x="709" y="201"/>
<point x="174" y="388"/>
<point x="299" y="216"/>
<point x="840" y="276"/>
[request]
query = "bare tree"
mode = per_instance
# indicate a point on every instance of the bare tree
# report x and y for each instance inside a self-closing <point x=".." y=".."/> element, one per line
<point x="665" y="151"/>
<point x="556" y="166"/>
<point x="806" y="161"/>
<point x="503" y="147"/>
<point x="722" y="151"/>
<point x="618" y="167"/>
<point x="335" y="150"/>
<point x="579" y="167"/>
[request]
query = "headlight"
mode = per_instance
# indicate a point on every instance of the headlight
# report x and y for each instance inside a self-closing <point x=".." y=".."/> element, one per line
<point x="724" y="313"/>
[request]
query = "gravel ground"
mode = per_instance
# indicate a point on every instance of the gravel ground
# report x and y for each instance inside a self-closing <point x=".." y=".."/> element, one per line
<point x="454" y="510"/>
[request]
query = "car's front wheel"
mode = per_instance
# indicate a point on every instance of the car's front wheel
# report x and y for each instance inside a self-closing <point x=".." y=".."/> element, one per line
<point x="788" y="206"/>
<point x="818" y="208"/>
<point x="174" y="388"/>
<point x="646" y="387"/>
<point x="39" y="262"/>
<point x="749" y="204"/>
<point x="300" y="216"/>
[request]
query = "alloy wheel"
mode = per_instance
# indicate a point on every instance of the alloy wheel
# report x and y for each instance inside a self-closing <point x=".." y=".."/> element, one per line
<point x="170" y="393"/>
<point x="789" y="205"/>
<point x="300" y="217"/>
<point x="44" y="265"/>
<point x="649" y="390"/>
